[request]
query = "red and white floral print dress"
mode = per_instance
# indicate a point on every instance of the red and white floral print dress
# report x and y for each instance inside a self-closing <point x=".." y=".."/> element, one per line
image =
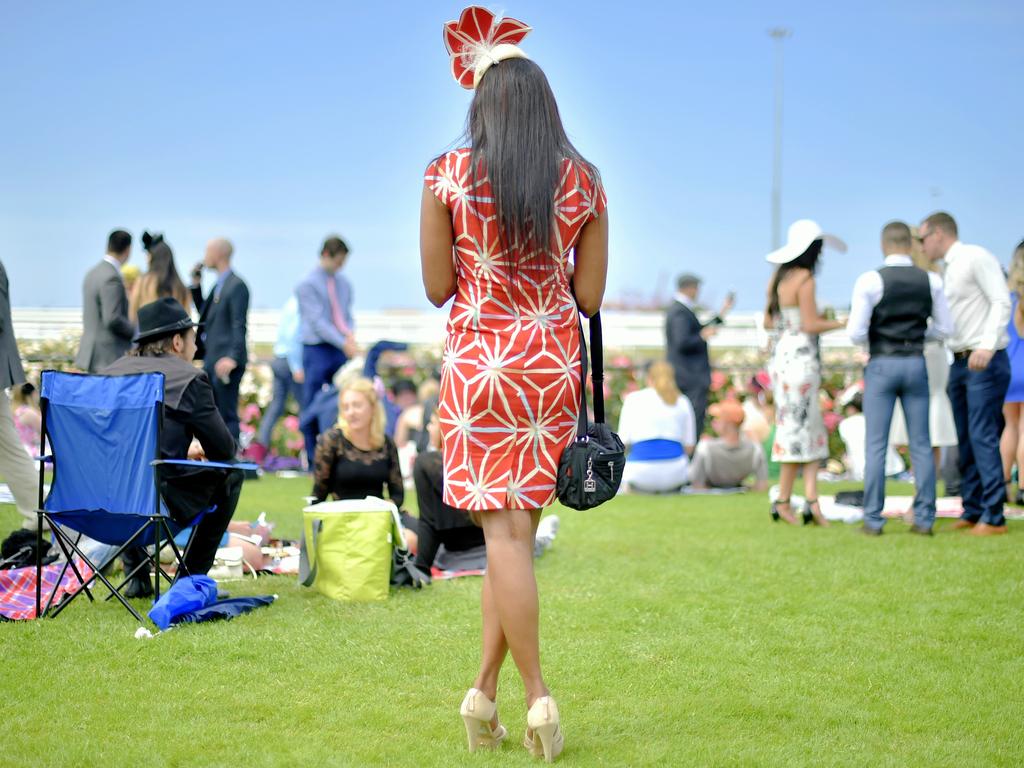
<point x="510" y="379"/>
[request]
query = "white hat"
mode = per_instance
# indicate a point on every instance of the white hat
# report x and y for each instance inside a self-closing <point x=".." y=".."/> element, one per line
<point x="799" y="238"/>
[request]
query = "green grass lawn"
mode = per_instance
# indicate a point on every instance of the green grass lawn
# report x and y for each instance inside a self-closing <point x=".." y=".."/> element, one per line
<point x="675" y="631"/>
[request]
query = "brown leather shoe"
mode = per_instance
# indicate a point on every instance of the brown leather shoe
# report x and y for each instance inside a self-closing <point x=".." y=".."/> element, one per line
<point x="984" y="529"/>
<point x="962" y="523"/>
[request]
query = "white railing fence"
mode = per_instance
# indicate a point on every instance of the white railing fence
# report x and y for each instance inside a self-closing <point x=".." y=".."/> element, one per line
<point x="622" y="330"/>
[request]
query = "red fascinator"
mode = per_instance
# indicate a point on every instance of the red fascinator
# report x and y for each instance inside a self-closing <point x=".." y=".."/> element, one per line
<point x="478" y="40"/>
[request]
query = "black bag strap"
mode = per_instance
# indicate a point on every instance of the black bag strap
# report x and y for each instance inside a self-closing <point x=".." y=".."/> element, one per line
<point x="596" y="357"/>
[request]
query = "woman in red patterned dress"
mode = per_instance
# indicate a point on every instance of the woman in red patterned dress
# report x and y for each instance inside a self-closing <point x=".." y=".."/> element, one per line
<point x="513" y="227"/>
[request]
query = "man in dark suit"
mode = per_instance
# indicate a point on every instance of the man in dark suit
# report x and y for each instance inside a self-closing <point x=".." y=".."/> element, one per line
<point x="687" y="342"/>
<point x="222" y="344"/>
<point x="107" y="332"/>
<point x="16" y="468"/>
<point x="192" y="428"/>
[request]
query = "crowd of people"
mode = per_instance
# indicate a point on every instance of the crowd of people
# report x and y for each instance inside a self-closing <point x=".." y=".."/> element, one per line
<point x="940" y="323"/>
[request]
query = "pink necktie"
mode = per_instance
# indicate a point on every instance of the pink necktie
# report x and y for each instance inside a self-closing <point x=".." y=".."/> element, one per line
<point x="332" y="295"/>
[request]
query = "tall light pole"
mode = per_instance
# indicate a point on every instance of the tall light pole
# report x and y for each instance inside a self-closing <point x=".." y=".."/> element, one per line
<point x="778" y="34"/>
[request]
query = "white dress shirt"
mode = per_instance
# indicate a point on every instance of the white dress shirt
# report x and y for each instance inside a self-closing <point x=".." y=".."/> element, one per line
<point x="112" y="262"/>
<point x="867" y="292"/>
<point x="684" y="299"/>
<point x="978" y="298"/>
<point x="645" y="416"/>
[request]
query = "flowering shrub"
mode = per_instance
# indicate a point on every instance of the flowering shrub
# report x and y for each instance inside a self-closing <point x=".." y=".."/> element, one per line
<point x="733" y="370"/>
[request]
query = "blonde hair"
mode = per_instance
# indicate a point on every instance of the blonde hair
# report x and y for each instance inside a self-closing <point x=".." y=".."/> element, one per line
<point x="1015" y="279"/>
<point x="146" y="289"/>
<point x="365" y="387"/>
<point x="428" y="389"/>
<point x="663" y="380"/>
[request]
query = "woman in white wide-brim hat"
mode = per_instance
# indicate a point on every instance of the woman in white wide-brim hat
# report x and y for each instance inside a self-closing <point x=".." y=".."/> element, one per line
<point x="801" y="441"/>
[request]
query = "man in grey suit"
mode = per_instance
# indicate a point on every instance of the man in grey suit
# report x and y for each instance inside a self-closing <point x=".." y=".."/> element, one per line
<point x="17" y="469"/>
<point x="107" y="332"/>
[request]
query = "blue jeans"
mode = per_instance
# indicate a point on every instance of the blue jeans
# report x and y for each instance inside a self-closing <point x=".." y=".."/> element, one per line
<point x="886" y="378"/>
<point x="977" y="399"/>
<point x="284" y="384"/>
<point x="319" y="363"/>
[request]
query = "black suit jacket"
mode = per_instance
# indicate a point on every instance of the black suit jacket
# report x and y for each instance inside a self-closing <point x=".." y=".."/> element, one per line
<point x="224" y="319"/>
<point x="11" y="372"/>
<point x="687" y="350"/>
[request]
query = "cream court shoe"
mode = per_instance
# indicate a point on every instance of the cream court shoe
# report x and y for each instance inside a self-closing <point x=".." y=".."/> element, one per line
<point x="477" y="711"/>
<point x="544" y="737"/>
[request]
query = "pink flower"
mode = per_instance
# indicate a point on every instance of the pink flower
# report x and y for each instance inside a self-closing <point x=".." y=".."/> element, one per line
<point x="294" y="445"/>
<point x="831" y="420"/>
<point x="252" y="412"/>
<point x="718" y="380"/>
<point x="291" y="423"/>
<point x="621" y="361"/>
<point x="247" y="428"/>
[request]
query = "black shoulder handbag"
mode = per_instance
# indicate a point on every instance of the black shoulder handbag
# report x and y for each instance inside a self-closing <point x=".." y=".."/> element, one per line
<point x="591" y="468"/>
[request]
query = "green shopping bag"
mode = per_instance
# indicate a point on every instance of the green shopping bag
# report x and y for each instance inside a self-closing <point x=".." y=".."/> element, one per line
<point x="347" y="548"/>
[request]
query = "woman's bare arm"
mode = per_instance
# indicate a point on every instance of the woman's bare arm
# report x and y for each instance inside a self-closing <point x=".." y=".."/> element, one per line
<point x="810" y="320"/>
<point x="436" y="243"/>
<point x="591" y="265"/>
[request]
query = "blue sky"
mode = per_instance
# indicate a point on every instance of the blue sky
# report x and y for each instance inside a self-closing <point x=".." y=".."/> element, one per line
<point x="274" y="124"/>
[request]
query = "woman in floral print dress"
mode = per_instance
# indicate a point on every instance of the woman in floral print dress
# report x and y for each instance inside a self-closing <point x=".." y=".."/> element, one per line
<point x="801" y="441"/>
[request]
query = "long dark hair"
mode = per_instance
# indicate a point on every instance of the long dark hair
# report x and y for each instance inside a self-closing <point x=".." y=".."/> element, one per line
<point x="518" y="142"/>
<point x="807" y="260"/>
<point x="161" y="264"/>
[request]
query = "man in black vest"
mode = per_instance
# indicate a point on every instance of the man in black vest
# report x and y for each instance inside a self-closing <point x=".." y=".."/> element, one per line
<point x="687" y="345"/>
<point x="889" y="312"/>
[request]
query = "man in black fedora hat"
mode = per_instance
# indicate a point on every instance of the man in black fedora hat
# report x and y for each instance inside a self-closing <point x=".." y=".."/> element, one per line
<point x="166" y="344"/>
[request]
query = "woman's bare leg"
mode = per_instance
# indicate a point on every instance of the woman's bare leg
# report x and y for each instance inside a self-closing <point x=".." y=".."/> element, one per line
<point x="495" y="647"/>
<point x="1020" y="445"/>
<point x="787" y="477"/>
<point x="509" y="534"/>
<point x="1009" y="441"/>
<point x="811" y="491"/>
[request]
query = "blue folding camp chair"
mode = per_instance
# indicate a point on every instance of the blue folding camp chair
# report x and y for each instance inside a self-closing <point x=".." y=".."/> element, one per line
<point x="104" y="437"/>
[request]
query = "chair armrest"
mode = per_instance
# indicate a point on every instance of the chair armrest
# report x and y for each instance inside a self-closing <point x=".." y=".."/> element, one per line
<point x="216" y="464"/>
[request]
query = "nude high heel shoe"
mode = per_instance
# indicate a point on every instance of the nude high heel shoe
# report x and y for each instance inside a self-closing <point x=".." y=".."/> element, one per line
<point x="477" y="711"/>
<point x="546" y="739"/>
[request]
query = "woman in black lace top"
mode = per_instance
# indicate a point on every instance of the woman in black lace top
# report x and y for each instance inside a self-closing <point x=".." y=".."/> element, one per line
<point x="356" y="459"/>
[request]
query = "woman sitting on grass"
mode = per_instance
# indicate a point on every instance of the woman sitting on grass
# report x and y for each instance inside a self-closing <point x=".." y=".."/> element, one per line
<point x="439" y="523"/>
<point x="657" y="423"/>
<point x="356" y="459"/>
